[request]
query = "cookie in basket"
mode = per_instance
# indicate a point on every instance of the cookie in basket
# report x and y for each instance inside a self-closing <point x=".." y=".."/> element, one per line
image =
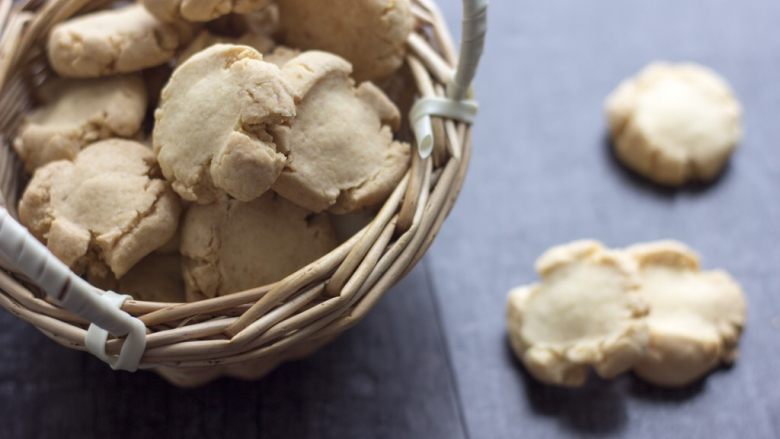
<point x="371" y="34"/>
<point x="212" y="128"/>
<point x="586" y="313"/>
<point x="104" y="211"/>
<point x="201" y="10"/>
<point x="156" y="278"/>
<point x="78" y="112"/>
<point x="340" y="146"/>
<point x="113" y="41"/>
<point x="231" y="246"/>
<point x="695" y="317"/>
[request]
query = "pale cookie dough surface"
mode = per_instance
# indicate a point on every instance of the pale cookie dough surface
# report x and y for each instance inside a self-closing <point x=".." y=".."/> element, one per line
<point x="212" y="129"/>
<point x="675" y="123"/>
<point x="260" y="42"/>
<point x="113" y="41"/>
<point x="371" y="34"/>
<point x="201" y="10"/>
<point x="104" y="211"/>
<point x="232" y="246"/>
<point x="586" y="313"/>
<point x="340" y="147"/>
<point x="695" y="317"/>
<point x="77" y="113"/>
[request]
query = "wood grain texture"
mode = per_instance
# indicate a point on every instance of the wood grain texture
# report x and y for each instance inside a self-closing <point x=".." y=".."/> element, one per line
<point x="542" y="175"/>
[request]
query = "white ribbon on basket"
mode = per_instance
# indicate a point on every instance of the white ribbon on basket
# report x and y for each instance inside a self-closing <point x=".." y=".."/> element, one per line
<point x="19" y="248"/>
<point x="455" y="105"/>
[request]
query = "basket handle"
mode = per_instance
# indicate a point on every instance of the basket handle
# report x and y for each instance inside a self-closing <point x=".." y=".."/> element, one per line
<point x="73" y="293"/>
<point x="456" y="105"/>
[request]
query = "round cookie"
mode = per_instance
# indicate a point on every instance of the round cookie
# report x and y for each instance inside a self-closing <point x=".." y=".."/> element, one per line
<point x="105" y="210"/>
<point x="79" y="112"/>
<point x="232" y="246"/>
<point x="201" y="10"/>
<point x="695" y="317"/>
<point x="113" y="41"/>
<point x="674" y="123"/>
<point x="586" y="313"/>
<point x="341" y="163"/>
<point x="371" y="34"/>
<point x="212" y="129"/>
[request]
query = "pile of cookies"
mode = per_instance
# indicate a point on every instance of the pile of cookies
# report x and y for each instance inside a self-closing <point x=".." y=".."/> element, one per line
<point x="647" y="308"/>
<point x="209" y="146"/>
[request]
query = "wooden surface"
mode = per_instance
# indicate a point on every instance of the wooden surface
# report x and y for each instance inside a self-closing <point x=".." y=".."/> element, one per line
<point x="431" y="360"/>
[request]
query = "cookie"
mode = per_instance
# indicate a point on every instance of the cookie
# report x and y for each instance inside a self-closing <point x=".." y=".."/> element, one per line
<point x="340" y="147"/>
<point x="695" y="317"/>
<point x="78" y="112"/>
<point x="674" y="123"/>
<point x="260" y="42"/>
<point x="201" y="10"/>
<point x="232" y="246"/>
<point x="113" y="41"/>
<point x="586" y="313"/>
<point x="371" y="34"/>
<point x="103" y="211"/>
<point x="212" y="129"/>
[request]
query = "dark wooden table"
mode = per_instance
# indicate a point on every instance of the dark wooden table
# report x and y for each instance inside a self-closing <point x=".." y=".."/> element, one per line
<point x="431" y="360"/>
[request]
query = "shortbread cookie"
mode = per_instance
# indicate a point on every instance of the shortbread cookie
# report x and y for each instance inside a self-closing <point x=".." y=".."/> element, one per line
<point x="211" y="133"/>
<point x="260" y="42"/>
<point x="113" y="41"/>
<point x="77" y="113"/>
<point x="105" y="210"/>
<point x="201" y="10"/>
<point x="585" y="313"/>
<point x="371" y="34"/>
<point x="695" y="317"/>
<point x="342" y="162"/>
<point x="674" y="123"/>
<point x="232" y="246"/>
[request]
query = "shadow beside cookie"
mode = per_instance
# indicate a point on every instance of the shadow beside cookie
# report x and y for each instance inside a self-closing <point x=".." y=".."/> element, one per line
<point x="643" y="183"/>
<point x="596" y="408"/>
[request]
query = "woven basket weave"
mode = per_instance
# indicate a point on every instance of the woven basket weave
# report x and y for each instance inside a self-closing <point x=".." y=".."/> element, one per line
<point x="247" y="334"/>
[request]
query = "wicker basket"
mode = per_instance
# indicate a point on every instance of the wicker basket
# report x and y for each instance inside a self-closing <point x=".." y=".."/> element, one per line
<point x="248" y="333"/>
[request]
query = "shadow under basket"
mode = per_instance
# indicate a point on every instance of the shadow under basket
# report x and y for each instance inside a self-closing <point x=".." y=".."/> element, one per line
<point x="246" y="334"/>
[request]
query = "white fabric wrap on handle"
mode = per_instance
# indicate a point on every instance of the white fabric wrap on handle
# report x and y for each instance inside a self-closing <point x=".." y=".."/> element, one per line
<point x="455" y="105"/>
<point x="19" y="248"/>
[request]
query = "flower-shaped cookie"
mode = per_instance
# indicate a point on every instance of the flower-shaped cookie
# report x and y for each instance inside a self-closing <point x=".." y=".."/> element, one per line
<point x="232" y="246"/>
<point x="201" y="10"/>
<point x="105" y="210"/>
<point x="674" y="123"/>
<point x="340" y="147"/>
<point x="695" y="317"/>
<point x="121" y="40"/>
<point x="77" y="113"/>
<point x="211" y="133"/>
<point x="585" y="313"/>
<point x="371" y="34"/>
